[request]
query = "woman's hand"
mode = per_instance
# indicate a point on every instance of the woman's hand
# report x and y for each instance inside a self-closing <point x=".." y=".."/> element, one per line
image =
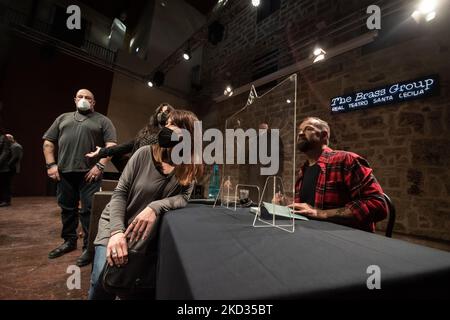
<point x="93" y="154"/>
<point x="142" y="225"/>
<point x="117" y="250"/>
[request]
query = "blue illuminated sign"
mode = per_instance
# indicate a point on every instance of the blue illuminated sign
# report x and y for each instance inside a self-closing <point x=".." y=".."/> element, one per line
<point x="393" y="93"/>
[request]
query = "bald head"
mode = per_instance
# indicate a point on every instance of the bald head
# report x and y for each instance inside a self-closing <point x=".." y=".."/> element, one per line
<point x="10" y="137"/>
<point x="85" y="92"/>
<point x="319" y="124"/>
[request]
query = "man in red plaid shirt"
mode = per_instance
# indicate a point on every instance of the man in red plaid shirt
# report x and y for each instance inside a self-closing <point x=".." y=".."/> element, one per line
<point x="333" y="185"/>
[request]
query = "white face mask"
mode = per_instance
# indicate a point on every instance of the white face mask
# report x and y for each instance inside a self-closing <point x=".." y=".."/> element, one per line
<point x="83" y="105"/>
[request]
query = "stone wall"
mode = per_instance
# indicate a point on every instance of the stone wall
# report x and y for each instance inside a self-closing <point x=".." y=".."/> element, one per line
<point x="407" y="144"/>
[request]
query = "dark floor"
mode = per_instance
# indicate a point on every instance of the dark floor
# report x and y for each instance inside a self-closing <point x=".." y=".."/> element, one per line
<point x="29" y="230"/>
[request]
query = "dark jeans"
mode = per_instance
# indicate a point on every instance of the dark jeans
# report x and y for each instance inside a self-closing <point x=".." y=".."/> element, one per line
<point x="5" y="186"/>
<point x="70" y="190"/>
<point x="96" y="291"/>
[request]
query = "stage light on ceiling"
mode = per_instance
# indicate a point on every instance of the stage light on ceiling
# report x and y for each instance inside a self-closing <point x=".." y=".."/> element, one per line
<point x="150" y="84"/>
<point x="427" y="6"/>
<point x="228" y="91"/>
<point x="187" y="54"/>
<point x="425" y="10"/>
<point x="288" y="101"/>
<point x="416" y="15"/>
<point x="319" y="54"/>
<point x="430" y="16"/>
<point x="256" y="3"/>
<point x="320" y="57"/>
<point x="318" y="51"/>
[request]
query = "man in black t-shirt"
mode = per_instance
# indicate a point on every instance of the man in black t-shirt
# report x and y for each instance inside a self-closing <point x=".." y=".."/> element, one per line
<point x="78" y="177"/>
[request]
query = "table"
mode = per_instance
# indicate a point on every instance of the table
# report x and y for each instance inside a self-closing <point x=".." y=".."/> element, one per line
<point x="215" y="253"/>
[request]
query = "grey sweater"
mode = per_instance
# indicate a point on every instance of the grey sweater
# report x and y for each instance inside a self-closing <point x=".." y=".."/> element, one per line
<point x="141" y="185"/>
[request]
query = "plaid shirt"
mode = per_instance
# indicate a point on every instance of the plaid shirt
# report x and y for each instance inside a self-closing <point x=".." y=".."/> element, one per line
<point x="346" y="180"/>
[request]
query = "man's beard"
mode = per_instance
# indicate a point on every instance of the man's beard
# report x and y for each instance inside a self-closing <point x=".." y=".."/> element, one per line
<point x="304" y="145"/>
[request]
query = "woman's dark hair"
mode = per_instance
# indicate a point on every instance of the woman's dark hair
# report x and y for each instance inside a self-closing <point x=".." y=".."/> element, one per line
<point x="186" y="173"/>
<point x="152" y="128"/>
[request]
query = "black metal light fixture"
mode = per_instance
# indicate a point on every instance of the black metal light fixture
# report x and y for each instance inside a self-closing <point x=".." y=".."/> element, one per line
<point x="158" y="78"/>
<point x="187" y="53"/>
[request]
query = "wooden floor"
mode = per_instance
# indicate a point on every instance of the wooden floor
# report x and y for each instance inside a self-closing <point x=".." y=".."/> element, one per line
<point x="29" y="229"/>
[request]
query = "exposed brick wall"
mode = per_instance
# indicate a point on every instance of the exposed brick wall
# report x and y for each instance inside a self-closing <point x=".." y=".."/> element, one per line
<point x="407" y="144"/>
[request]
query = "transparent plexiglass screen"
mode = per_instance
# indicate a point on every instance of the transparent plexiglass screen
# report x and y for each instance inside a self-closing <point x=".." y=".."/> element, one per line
<point x="263" y="135"/>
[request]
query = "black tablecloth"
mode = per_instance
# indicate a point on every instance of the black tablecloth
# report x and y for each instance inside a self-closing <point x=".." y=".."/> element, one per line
<point x="216" y="253"/>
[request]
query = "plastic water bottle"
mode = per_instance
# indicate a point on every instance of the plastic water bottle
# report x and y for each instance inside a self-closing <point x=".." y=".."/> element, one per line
<point x="214" y="182"/>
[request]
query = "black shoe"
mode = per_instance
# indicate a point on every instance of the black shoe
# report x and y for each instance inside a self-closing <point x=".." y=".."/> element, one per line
<point x="5" y="204"/>
<point x="66" y="247"/>
<point x="84" y="259"/>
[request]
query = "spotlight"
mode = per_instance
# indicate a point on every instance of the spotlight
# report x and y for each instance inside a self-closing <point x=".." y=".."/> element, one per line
<point x="416" y="16"/>
<point x="319" y="54"/>
<point x="320" y="57"/>
<point x="187" y="54"/>
<point x="430" y="16"/>
<point x="256" y="3"/>
<point x="427" y="9"/>
<point x="150" y="84"/>
<point x="228" y="91"/>
<point x="288" y="101"/>
<point x="137" y="49"/>
<point x="427" y="6"/>
<point x="318" y="51"/>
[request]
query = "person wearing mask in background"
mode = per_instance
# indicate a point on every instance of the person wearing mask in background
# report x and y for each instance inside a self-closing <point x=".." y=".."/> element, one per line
<point x="14" y="167"/>
<point x="78" y="177"/>
<point x="146" y="136"/>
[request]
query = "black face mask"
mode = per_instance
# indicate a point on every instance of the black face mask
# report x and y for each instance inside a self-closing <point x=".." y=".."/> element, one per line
<point x="162" y="118"/>
<point x="165" y="138"/>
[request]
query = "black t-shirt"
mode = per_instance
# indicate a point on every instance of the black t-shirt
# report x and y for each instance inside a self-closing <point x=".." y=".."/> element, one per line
<point x="78" y="134"/>
<point x="308" y="190"/>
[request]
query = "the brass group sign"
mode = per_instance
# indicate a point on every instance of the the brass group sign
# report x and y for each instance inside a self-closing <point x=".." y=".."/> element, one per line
<point x="393" y="93"/>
